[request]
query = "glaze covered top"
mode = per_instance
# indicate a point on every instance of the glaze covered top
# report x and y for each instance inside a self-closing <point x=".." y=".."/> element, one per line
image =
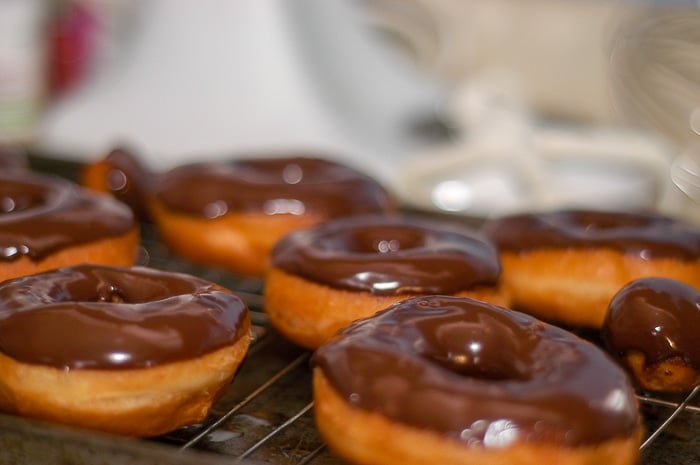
<point x="481" y="374"/>
<point x="41" y="214"/>
<point x="645" y="234"/>
<point x="294" y="185"/>
<point x="389" y="254"/>
<point x="103" y="317"/>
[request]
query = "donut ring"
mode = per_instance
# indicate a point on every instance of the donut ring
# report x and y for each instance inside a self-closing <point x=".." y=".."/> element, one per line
<point x="565" y="266"/>
<point x="48" y="222"/>
<point x="322" y="278"/>
<point x="455" y="380"/>
<point x="231" y="214"/>
<point x="652" y="327"/>
<point x="149" y="351"/>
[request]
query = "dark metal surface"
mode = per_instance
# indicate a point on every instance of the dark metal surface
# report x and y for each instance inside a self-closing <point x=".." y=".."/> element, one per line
<point x="266" y="416"/>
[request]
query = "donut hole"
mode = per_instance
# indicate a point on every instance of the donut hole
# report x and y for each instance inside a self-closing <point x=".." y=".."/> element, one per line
<point x="110" y="293"/>
<point x="112" y="286"/>
<point x="484" y="347"/>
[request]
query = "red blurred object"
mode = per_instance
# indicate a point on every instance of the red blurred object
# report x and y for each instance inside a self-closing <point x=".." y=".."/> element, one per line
<point x="70" y="45"/>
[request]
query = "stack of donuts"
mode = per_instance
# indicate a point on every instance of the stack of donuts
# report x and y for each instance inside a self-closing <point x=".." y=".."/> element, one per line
<point x="453" y="339"/>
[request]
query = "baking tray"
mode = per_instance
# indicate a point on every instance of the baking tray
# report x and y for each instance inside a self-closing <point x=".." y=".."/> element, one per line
<point x="266" y="415"/>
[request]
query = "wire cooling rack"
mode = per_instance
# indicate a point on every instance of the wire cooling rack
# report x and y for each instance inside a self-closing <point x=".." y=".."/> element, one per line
<point x="266" y="415"/>
<point x="282" y="407"/>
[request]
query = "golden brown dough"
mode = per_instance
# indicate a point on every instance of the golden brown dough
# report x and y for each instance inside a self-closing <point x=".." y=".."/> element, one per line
<point x="140" y="402"/>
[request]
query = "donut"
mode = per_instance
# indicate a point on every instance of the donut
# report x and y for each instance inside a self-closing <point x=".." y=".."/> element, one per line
<point x="230" y="214"/>
<point x="324" y="277"/>
<point x="444" y="379"/>
<point x="124" y="176"/>
<point x="47" y="222"/>
<point x="652" y="327"/>
<point x="132" y="351"/>
<point x="565" y="266"/>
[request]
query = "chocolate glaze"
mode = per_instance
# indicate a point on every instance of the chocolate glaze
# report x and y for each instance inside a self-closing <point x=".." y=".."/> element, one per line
<point x="101" y="317"/>
<point x="481" y="374"/>
<point x="272" y="186"/>
<point x="41" y="214"/>
<point x="658" y="317"/>
<point x="643" y="234"/>
<point x="129" y="181"/>
<point x="389" y="255"/>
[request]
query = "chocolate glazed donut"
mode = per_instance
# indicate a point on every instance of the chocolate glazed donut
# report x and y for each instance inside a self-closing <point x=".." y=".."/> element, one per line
<point x="323" y="278"/>
<point x="652" y="327"/>
<point x="124" y="176"/>
<point x="47" y="222"/>
<point x="565" y="266"/>
<point x="456" y="380"/>
<point x="293" y="185"/>
<point x="132" y="351"/>
<point x="230" y="214"/>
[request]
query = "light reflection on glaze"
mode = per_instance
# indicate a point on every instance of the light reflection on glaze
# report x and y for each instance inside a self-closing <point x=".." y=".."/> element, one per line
<point x="389" y="255"/>
<point x="103" y="317"/>
<point x="415" y="363"/>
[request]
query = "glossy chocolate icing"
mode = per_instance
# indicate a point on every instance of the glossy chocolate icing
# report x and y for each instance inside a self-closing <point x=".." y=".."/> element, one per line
<point x="41" y="214"/>
<point x="658" y="317"/>
<point x="129" y="181"/>
<point x="101" y="317"/>
<point x="481" y="374"/>
<point x="272" y="186"/>
<point x="389" y="255"/>
<point x="644" y="234"/>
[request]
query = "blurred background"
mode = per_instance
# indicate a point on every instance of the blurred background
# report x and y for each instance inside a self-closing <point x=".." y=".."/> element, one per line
<point x="474" y="107"/>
